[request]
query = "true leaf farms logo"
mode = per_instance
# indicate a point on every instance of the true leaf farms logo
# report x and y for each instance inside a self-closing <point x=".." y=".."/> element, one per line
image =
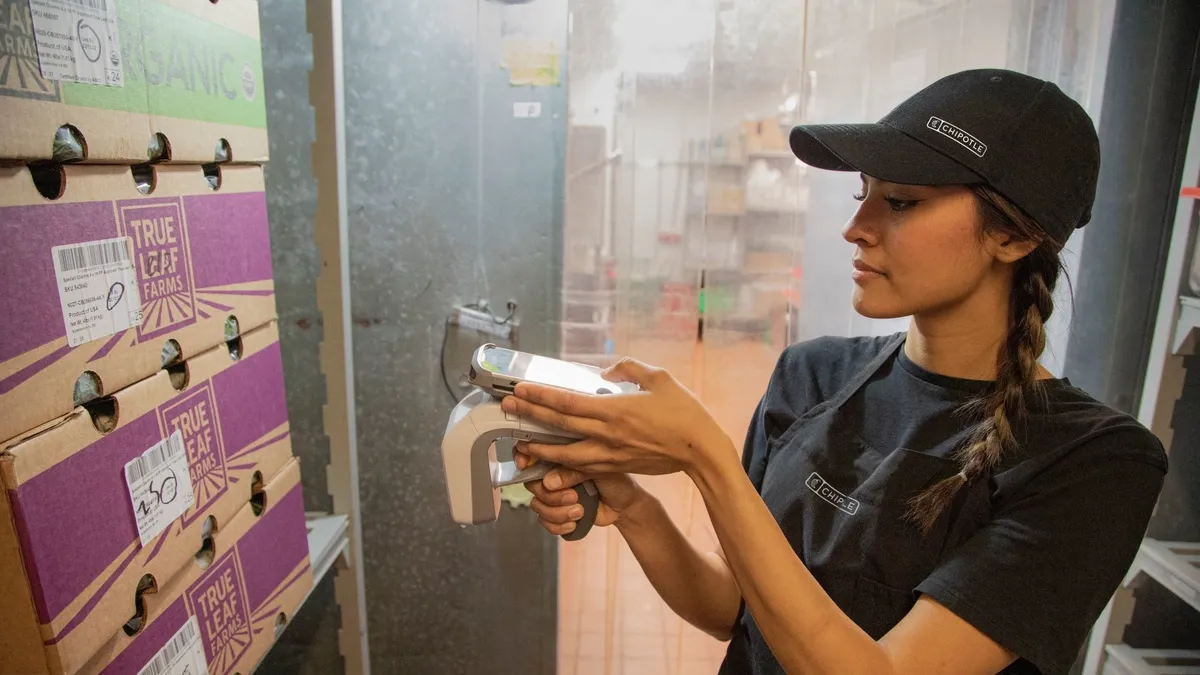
<point x="163" y="263"/>
<point x="20" y="71"/>
<point x="195" y="416"/>
<point x="218" y="601"/>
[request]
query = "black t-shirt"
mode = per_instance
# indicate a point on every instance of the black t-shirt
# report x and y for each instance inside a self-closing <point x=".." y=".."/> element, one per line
<point x="1063" y="517"/>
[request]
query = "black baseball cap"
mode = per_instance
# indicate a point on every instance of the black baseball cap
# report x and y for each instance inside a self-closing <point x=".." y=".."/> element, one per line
<point x="1020" y="135"/>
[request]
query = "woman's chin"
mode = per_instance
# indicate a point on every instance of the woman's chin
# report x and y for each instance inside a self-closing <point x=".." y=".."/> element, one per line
<point x="872" y="306"/>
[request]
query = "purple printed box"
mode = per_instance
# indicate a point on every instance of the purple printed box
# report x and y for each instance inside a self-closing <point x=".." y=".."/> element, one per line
<point x="106" y="283"/>
<point x="74" y="548"/>
<point x="230" y="613"/>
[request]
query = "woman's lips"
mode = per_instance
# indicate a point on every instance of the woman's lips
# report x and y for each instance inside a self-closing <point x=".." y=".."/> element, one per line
<point x="863" y="271"/>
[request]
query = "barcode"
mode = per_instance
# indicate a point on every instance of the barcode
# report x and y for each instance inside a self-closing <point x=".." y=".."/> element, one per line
<point x="167" y="654"/>
<point x="155" y="457"/>
<point x="101" y="5"/>
<point x="95" y="254"/>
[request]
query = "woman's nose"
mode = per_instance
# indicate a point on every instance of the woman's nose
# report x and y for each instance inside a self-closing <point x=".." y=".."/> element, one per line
<point x="858" y="231"/>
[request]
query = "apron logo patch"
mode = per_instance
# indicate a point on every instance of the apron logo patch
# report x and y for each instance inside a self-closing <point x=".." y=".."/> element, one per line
<point x="830" y="494"/>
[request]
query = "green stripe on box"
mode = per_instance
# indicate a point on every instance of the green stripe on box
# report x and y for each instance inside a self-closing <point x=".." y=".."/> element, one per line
<point x="177" y="65"/>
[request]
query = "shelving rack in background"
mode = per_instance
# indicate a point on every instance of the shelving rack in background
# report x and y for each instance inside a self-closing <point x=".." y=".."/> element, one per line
<point x="1174" y="565"/>
<point x="743" y="235"/>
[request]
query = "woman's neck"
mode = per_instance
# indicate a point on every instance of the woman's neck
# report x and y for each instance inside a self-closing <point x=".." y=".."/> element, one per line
<point x="966" y="352"/>
<point x="964" y="340"/>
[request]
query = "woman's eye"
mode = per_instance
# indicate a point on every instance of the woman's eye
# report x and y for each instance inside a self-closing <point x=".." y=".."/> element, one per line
<point x="858" y="196"/>
<point x="900" y="204"/>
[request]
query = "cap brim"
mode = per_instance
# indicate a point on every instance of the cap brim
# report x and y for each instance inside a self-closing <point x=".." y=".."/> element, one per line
<point x="879" y="151"/>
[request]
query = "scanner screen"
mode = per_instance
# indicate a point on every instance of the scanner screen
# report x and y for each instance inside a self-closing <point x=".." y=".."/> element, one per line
<point x="543" y="370"/>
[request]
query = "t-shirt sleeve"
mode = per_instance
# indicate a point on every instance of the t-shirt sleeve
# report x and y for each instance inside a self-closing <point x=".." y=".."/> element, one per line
<point x="1037" y="576"/>
<point x="785" y="398"/>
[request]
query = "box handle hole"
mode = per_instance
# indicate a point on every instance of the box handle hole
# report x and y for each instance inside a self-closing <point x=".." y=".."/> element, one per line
<point x="159" y="148"/>
<point x="69" y="145"/>
<point x="258" y="494"/>
<point x="49" y="179"/>
<point x="144" y="178"/>
<point x="208" y="546"/>
<point x="212" y="174"/>
<point x="105" y="413"/>
<point x="88" y="387"/>
<point x="233" y="338"/>
<point x="146" y="586"/>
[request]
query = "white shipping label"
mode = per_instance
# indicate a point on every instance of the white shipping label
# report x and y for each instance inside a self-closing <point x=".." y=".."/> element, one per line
<point x="77" y="41"/>
<point x="527" y="110"/>
<point x="159" y="486"/>
<point x="98" y="289"/>
<point x="182" y="655"/>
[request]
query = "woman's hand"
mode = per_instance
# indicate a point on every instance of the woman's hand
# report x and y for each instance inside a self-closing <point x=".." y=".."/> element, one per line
<point x="661" y="429"/>
<point x="557" y="504"/>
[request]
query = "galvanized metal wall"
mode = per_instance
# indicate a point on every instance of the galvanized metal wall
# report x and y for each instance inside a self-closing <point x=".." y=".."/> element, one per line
<point x="451" y="198"/>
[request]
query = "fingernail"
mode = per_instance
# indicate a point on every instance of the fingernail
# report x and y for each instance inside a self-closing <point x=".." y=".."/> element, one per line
<point x="552" y="481"/>
<point x="576" y="513"/>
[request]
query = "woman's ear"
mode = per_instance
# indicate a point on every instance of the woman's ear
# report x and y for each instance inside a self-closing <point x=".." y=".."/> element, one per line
<point x="1006" y="248"/>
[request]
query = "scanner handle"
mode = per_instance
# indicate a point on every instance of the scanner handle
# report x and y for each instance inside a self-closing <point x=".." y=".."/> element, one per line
<point x="506" y="473"/>
<point x="589" y="498"/>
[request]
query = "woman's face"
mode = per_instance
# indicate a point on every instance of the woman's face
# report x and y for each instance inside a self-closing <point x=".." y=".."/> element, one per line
<point x="919" y="249"/>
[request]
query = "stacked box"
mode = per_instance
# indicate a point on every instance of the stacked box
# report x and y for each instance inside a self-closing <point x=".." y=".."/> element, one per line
<point x="229" y="613"/>
<point x="151" y="506"/>
<point x="91" y="515"/>
<point x="121" y="75"/>
<point x="764" y="136"/>
<point x="101" y="279"/>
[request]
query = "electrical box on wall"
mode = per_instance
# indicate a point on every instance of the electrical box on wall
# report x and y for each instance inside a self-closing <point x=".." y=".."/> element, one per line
<point x="480" y="319"/>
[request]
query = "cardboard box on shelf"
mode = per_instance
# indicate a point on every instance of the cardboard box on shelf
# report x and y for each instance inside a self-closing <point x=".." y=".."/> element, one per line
<point x="725" y="199"/>
<point x="100" y="280"/>
<point x="768" y="261"/>
<point x="764" y="135"/>
<point x="121" y="71"/>
<point x="90" y="513"/>
<point x="229" y="613"/>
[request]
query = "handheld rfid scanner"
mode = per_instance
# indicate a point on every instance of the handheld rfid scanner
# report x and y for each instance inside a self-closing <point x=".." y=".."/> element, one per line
<point x="498" y="371"/>
<point x="474" y="476"/>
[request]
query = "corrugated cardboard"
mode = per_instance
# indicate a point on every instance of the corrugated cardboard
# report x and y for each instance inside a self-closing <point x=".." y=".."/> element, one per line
<point x="192" y="71"/>
<point x="724" y="199"/>
<point x="780" y="262"/>
<point x="77" y="548"/>
<point x="239" y="599"/>
<point x="219" y="245"/>
<point x="764" y="135"/>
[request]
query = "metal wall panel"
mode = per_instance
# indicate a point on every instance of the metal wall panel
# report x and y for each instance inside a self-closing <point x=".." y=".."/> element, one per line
<point x="452" y="198"/>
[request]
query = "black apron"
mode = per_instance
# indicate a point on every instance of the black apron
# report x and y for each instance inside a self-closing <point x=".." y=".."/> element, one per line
<point x="848" y="526"/>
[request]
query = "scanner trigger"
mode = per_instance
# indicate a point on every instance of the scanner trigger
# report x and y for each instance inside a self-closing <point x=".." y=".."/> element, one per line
<point x="589" y="498"/>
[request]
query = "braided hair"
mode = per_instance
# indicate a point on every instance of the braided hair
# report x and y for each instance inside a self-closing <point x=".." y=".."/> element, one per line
<point x="1016" y="390"/>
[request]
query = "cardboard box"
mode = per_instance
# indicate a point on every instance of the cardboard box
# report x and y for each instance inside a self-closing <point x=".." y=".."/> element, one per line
<point x="765" y="135"/>
<point x="191" y="71"/>
<point x="252" y="589"/>
<point x="769" y="261"/>
<point x="724" y="199"/>
<point x="78" y="547"/>
<point x="192" y="256"/>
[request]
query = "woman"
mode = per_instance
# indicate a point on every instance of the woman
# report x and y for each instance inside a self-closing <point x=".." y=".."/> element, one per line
<point x="933" y="502"/>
